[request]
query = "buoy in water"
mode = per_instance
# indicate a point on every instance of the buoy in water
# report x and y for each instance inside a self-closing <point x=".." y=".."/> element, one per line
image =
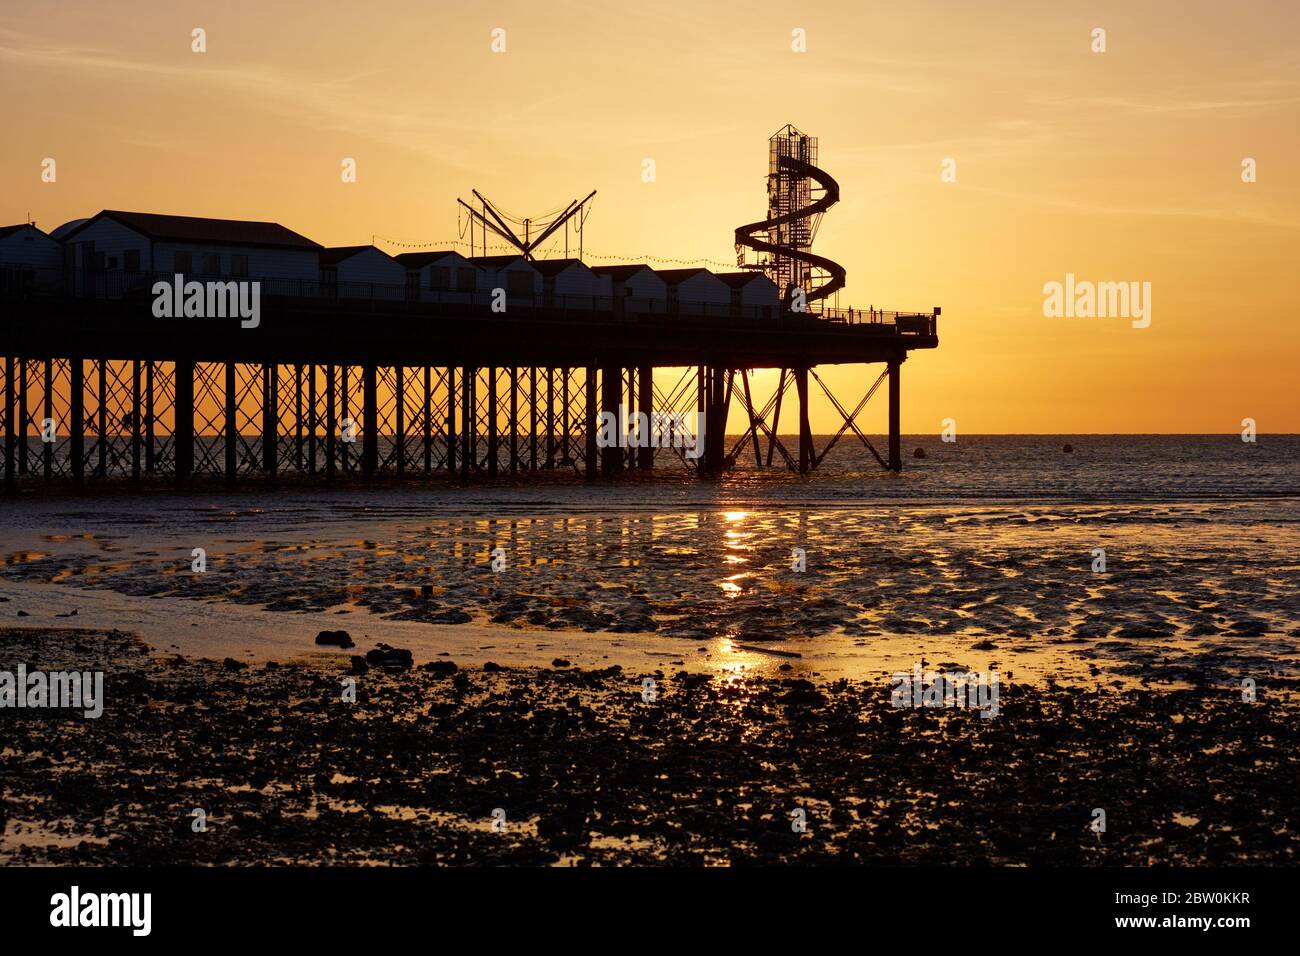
<point x="919" y="453"/>
<point x="1069" y="449"/>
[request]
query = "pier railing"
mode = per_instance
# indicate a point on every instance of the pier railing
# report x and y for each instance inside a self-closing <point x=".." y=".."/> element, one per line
<point x="22" y="282"/>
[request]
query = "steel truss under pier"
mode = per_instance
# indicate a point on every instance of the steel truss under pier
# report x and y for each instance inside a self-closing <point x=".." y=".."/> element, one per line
<point x="94" y="391"/>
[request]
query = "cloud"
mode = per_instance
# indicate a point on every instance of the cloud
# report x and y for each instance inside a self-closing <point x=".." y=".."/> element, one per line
<point x="334" y="103"/>
<point x="1234" y="216"/>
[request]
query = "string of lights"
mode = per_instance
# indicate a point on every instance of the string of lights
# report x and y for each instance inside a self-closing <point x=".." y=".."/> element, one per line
<point x="501" y="247"/>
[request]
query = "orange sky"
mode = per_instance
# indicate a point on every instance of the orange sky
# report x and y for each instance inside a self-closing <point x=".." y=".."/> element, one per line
<point x="1120" y="166"/>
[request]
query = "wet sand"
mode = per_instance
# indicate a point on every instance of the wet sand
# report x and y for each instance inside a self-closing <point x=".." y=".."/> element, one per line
<point x="588" y="772"/>
<point x="1189" y="588"/>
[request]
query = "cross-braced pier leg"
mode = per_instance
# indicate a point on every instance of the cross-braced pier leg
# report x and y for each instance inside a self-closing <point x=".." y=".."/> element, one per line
<point x="369" y="422"/>
<point x="270" y="420"/>
<point x="136" y="436"/>
<point x="11" y="426"/>
<point x="758" y="422"/>
<point x="592" y="417"/>
<point x="47" y="416"/>
<point x="492" y="435"/>
<point x="426" y="419"/>
<point x="850" y="420"/>
<point x="514" y="421"/>
<point x="24" y="416"/>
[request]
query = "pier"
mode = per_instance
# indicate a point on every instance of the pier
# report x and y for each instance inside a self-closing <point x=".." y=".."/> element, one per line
<point x="95" y="387"/>
<point x="292" y="359"/>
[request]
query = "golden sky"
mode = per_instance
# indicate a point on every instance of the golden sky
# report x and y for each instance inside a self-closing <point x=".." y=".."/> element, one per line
<point x="1115" y="166"/>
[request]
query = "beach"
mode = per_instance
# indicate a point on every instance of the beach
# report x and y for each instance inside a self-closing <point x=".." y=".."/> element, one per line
<point x="1160" y="688"/>
<point x="580" y="769"/>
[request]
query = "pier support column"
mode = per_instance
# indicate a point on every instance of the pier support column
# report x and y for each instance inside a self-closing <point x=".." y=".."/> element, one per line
<point x="592" y="419"/>
<point x="550" y="418"/>
<point x="101" y="415"/>
<point x="149" y="423"/>
<point x="11" y="433"/>
<point x="270" y="419"/>
<point x="399" y="418"/>
<point x="468" y="422"/>
<point x="297" y="418"/>
<point x="47" y="450"/>
<point x="805" y="429"/>
<point x="532" y="419"/>
<point x="718" y="400"/>
<point x="331" y="424"/>
<point x="369" y="421"/>
<point x="564" y="417"/>
<point x="183" y="433"/>
<point x="24" y="416"/>
<point x="232" y="426"/>
<point x="895" y="438"/>
<point x="630" y="456"/>
<point x="313" y="424"/>
<point x="611" y="394"/>
<point x="346" y="421"/>
<point x="136" y="437"/>
<point x="492" y="421"/>
<point x="77" y="414"/>
<point x="514" y="421"/>
<point x="427" y="419"/>
<point x="451" y="422"/>
<point x="645" y="404"/>
<point x="702" y="409"/>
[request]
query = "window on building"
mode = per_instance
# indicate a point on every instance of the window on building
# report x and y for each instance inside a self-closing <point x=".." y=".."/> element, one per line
<point x="131" y="260"/>
<point x="466" y="280"/>
<point x="211" y="264"/>
<point x="412" y="285"/>
<point x="183" y="263"/>
<point x="239" y="265"/>
<point x="439" y="277"/>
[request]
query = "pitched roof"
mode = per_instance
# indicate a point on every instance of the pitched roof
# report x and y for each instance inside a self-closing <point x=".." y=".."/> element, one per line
<point x="494" y="262"/>
<point x="6" y="230"/>
<point x="336" y="254"/>
<point x="553" y="267"/>
<point x="737" y="279"/>
<point x="619" y="273"/>
<point x="416" y="260"/>
<point x="674" y="276"/>
<point x="195" y="229"/>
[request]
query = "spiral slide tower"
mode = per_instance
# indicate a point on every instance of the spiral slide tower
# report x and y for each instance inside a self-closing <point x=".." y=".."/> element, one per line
<point x="798" y="192"/>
